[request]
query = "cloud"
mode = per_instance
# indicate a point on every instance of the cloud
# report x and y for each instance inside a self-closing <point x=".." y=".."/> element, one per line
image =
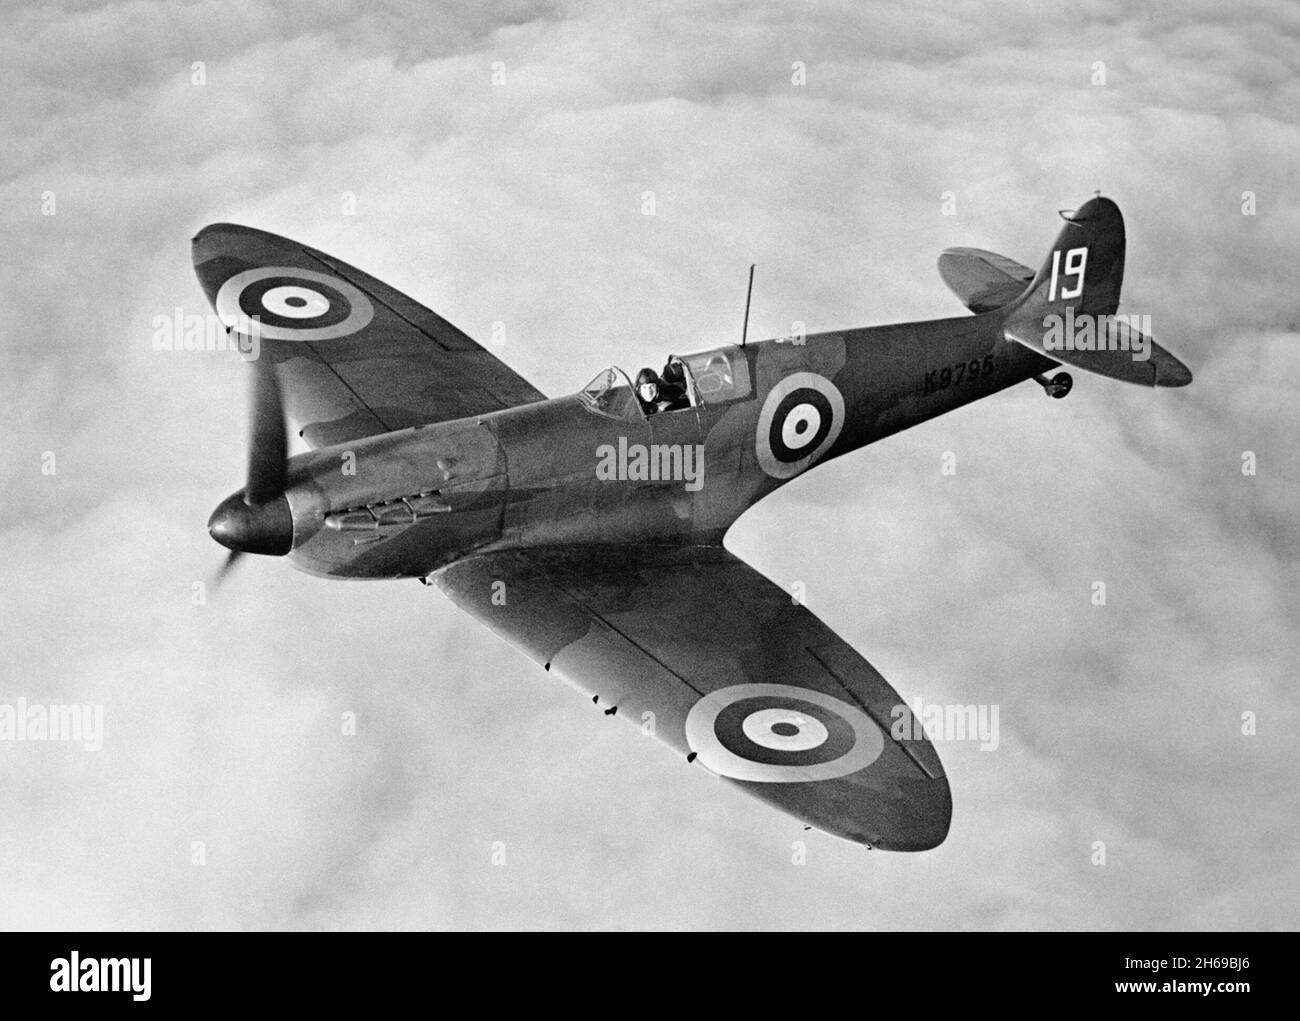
<point x="521" y="203"/>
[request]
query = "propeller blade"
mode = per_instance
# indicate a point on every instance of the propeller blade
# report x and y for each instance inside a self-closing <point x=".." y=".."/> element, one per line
<point x="225" y="568"/>
<point x="268" y="452"/>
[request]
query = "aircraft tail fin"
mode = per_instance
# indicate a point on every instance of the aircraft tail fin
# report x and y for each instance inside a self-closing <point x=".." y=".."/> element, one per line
<point x="1068" y="310"/>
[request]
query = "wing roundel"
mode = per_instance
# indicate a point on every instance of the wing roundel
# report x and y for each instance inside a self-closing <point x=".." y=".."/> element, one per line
<point x="354" y="356"/>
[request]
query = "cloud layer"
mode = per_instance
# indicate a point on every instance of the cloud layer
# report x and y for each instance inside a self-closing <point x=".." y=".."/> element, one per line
<point x="521" y="202"/>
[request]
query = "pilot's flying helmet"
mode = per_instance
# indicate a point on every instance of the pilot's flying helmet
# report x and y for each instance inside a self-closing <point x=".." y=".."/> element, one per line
<point x="647" y="384"/>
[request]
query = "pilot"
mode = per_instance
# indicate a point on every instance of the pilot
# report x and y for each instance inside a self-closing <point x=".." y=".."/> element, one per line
<point x="648" y="386"/>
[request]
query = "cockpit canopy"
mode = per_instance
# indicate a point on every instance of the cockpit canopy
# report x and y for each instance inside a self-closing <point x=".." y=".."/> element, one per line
<point x="711" y="377"/>
<point x="610" y="393"/>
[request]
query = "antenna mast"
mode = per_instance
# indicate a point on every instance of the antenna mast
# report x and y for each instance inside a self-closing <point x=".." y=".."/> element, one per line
<point x="749" y="293"/>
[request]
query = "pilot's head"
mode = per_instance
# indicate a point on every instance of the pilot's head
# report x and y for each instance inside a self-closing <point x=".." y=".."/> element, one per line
<point x="647" y="385"/>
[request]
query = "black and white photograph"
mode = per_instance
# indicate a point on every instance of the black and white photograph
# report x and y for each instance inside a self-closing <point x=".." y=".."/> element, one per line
<point x="580" y="466"/>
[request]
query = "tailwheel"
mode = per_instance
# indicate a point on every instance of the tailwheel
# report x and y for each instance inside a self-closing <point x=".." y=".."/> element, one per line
<point x="1058" y="386"/>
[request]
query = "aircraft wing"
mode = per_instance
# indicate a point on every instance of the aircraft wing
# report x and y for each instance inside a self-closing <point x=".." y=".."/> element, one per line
<point x="355" y="357"/>
<point x="984" y="281"/>
<point x="695" y="646"/>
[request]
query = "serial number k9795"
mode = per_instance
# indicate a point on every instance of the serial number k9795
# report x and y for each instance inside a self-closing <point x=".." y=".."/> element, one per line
<point x="955" y="375"/>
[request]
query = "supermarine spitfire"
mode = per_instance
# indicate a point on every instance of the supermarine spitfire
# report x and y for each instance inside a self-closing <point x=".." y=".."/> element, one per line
<point x="431" y="459"/>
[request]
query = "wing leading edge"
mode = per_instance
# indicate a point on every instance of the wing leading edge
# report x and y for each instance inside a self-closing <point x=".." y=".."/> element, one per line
<point x="355" y="357"/>
<point x="728" y="670"/>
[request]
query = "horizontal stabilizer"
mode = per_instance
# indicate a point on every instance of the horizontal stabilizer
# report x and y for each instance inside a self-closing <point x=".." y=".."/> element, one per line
<point x="984" y="281"/>
<point x="1114" y="348"/>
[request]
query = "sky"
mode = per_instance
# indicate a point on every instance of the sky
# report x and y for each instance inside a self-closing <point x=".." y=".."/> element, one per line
<point x="493" y="161"/>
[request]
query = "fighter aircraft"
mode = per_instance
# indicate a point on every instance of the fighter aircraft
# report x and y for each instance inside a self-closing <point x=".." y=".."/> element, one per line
<point x="588" y="530"/>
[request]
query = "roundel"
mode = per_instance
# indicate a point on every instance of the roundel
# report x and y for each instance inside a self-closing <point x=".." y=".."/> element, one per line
<point x="801" y="418"/>
<point x="294" y="304"/>
<point x="779" y="733"/>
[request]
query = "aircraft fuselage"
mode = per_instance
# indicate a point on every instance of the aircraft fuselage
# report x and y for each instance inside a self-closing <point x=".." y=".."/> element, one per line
<point x="559" y="472"/>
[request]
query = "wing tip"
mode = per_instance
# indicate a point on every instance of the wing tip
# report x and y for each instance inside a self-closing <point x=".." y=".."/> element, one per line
<point x="235" y="239"/>
<point x="916" y="816"/>
<point x="926" y="825"/>
<point x="225" y="228"/>
<point x="1171" y="371"/>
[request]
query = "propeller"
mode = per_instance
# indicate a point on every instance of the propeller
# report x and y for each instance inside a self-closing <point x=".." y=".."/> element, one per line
<point x="232" y="558"/>
<point x="268" y="453"/>
<point x="258" y="519"/>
